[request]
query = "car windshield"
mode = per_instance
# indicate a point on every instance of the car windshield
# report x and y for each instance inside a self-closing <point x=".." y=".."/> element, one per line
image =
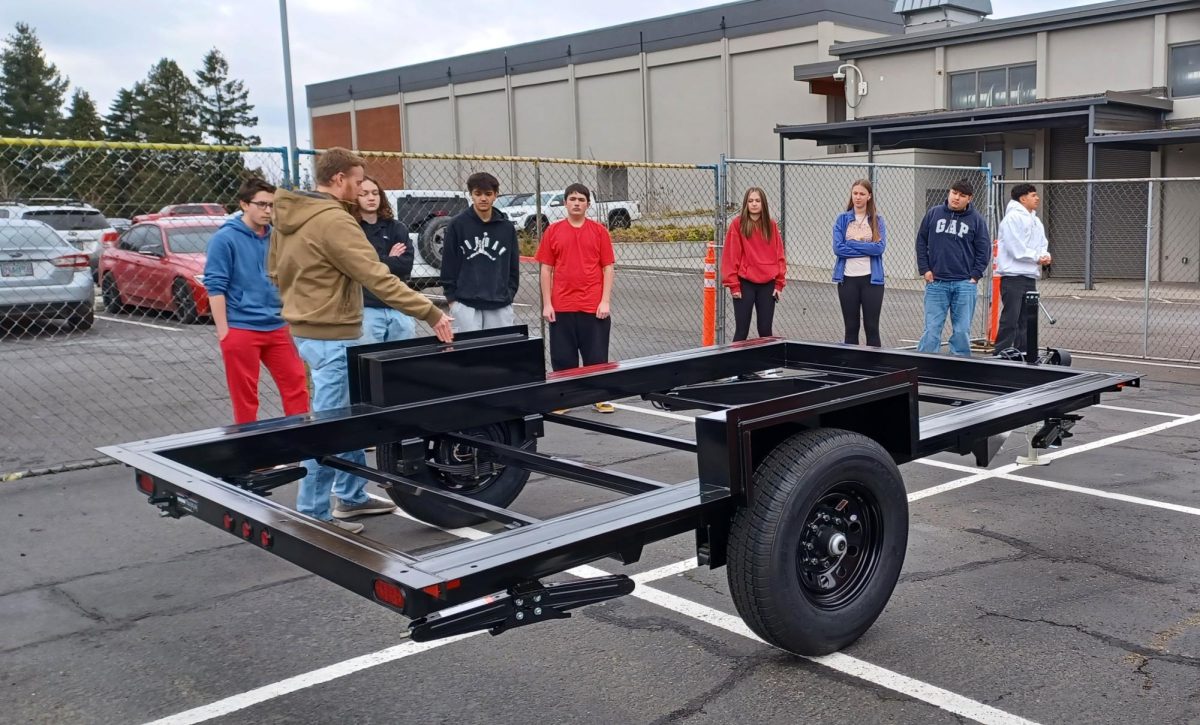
<point x="196" y="209"/>
<point x="508" y="200"/>
<point x="70" y="220"/>
<point x="191" y="240"/>
<point x="29" y="237"/>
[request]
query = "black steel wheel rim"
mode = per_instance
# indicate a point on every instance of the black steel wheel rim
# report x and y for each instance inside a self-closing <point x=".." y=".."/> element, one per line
<point x="840" y="546"/>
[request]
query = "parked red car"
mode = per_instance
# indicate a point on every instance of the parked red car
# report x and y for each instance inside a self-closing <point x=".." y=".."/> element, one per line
<point x="160" y="265"/>
<point x="174" y="210"/>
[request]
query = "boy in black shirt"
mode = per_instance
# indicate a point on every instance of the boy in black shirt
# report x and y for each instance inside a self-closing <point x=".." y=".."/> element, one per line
<point x="481" y="261"/>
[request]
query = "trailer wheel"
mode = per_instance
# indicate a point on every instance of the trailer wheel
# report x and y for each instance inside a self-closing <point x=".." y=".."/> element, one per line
<point x="815" y="555"/>
<point x="498" y="485"/>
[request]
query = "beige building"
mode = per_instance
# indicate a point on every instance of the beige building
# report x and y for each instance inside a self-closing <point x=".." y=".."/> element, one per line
<point x="1102" y="91"/>
<point x="682" y="88"/>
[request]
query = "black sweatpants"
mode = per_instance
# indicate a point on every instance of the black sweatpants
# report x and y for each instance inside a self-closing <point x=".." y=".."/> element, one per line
<point x="1014" y="319"/>
<point x="578" y="334"/>
<point x="755" y="296"/>
<point x="861" y="301"/>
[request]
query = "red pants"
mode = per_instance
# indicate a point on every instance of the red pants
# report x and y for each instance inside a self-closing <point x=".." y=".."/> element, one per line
<point x="244" y="352"/>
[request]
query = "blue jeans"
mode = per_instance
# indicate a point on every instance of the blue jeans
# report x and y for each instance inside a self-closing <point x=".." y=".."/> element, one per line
<point x="385" y="324"/>
<point x="326" y="360"/>
<point x="957" y="298"/>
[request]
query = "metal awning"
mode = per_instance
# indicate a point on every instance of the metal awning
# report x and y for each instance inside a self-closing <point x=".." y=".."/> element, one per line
<point x="1147" y="140"/>
<point x="815" y="71"/>
<point x="1129" y="112"/>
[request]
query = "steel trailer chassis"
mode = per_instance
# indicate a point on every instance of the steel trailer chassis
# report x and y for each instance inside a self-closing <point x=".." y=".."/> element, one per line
<point x="798" y="490"/>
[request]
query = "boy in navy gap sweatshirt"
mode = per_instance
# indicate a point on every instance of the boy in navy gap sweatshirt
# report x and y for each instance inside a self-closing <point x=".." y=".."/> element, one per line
<point x="246" y="308"/>
<point x="953" y="248"/>
<point x="481" y="261"/>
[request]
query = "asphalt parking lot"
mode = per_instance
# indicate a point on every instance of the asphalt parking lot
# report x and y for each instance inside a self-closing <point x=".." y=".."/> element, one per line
<point x="1063" y="593"/>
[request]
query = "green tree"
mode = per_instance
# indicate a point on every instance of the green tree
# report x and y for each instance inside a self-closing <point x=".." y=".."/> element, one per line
<point x="170" y="109"/>
<point x="83" y="121"/>
<point x="124" y="119"/>
<point x="31" y="88"/>
<point x="224" y="104"/>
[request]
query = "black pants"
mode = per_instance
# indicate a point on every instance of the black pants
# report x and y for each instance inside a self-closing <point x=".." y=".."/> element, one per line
<point x="1014" y="319"/>
<point x="861" y="300"/>
<point x="578" y="334"/>
<point x="755" y="296"/>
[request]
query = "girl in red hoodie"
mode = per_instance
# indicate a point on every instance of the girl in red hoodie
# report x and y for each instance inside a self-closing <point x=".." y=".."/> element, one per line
<point x="754" y="268"/>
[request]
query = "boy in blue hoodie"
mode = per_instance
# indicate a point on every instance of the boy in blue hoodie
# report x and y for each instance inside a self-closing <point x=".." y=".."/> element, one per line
<point x="953" y="248"/>
<point x="246" y="308"/>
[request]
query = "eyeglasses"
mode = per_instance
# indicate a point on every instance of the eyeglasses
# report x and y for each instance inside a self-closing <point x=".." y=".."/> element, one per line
<point x="264" y="205"/>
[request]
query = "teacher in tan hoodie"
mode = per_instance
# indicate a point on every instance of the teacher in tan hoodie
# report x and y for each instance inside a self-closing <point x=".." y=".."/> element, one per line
<point x="320" y="260"/>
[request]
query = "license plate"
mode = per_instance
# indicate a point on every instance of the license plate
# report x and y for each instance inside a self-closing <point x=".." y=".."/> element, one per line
<point x="79" y="245"/>
<point x="16" y="269"/>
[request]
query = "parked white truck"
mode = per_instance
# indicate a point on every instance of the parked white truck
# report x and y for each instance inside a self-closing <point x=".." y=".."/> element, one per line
<point x="613" y="214"/>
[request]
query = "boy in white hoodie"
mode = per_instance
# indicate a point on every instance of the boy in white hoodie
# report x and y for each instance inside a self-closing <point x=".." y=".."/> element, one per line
<point x="1022" y="254"/>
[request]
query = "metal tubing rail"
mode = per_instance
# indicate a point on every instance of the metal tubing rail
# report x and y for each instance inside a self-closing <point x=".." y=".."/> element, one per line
<point x="633" y="434"/>
<point x="560" y="467"/>
<point x="451" y="499"/>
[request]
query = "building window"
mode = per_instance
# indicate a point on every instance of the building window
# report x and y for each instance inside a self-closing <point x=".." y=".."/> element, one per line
<point x="992" y="87"/>
<point x="1185" y="70"/>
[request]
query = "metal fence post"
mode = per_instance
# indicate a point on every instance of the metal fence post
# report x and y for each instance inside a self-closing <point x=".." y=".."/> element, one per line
<point x="719" y="243"/>
<point x="287" y="170"/>
<point x="537" y="196"/>
<point x="1146" y="300"/>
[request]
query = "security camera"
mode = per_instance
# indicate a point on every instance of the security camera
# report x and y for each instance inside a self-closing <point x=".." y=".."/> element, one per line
<point x="839" y="76"/>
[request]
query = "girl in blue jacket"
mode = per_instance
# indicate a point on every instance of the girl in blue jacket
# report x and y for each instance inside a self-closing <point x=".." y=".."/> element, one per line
<point x="859" y="240"/>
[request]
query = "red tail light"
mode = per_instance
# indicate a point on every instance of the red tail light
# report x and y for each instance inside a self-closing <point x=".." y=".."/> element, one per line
<point x="109" y="238"/>
<point x="227" y="522"/>
<point x="145" y="483"/>
<point x="265" y="538"/>
<point x="389" y="594"/>
<point x="71" y="261"/>
<point x="247" y="530"/>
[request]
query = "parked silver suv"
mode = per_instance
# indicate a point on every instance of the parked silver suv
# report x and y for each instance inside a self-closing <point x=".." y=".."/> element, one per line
<point x="81" y="224"/>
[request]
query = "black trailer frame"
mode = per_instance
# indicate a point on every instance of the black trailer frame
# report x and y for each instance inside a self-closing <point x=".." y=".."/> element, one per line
<point x="411" y="392"/>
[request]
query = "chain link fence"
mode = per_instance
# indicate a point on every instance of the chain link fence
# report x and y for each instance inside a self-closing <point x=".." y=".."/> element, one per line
<point x="104" y="329"/>
<point x="1125" y="278"/>
<point x="806" y="197"/>
<point x="661" y="218"/>
<point x="102" y="326"/>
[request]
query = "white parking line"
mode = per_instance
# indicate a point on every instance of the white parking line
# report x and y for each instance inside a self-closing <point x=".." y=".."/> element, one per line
<point x="139" y="324"/>
<point x="648" y="411"/>
<point x="1103" y="494"/>
<point x="1139" y="410"/>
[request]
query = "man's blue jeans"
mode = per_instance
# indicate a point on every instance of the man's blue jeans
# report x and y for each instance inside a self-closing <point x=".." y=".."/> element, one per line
<point x="956" y="298"/>
<point x="326" y="360"/>
<point x="384" y="324"/>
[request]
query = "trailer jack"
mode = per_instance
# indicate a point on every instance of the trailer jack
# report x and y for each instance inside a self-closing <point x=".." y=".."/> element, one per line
<point x="524" y="604"/>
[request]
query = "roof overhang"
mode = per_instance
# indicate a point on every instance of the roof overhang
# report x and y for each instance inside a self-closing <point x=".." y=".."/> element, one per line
<point x="1146" y="140"/>
<point x="1113" y="112"/>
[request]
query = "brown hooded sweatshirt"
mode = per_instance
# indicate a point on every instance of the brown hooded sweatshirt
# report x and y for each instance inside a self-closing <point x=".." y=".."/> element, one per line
<point x="320" y="260"/>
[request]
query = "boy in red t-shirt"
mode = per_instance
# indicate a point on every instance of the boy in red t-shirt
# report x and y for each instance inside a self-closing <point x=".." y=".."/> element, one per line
<point x="576" y="255"/>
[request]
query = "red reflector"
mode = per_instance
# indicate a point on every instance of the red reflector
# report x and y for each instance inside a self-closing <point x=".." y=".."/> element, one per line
<point x="227" y="522"/>
<point x="71" y="261"/>
<point x="145" y="483"/>
<point x="389" y="593"/>
<point x="247" y="530"/>
<point x="432" y="590"/>
<point x="453" y="584"/>
<point x="265" y="538"/>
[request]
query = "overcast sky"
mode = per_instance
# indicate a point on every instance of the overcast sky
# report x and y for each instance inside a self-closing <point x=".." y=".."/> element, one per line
<point x="106" y="46"/>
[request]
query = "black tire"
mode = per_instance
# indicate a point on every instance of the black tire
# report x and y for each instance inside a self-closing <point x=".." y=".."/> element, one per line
<point x="499" y="489"/>
<point x="1059" y="356"/>
<point x="184" y="302"/>
<point x="111" y="295"/>
<point x="775" y="586"/>
<point x="432" y="240"/>
<point x="619" y="219"/>
<point x="83" y="320"/>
